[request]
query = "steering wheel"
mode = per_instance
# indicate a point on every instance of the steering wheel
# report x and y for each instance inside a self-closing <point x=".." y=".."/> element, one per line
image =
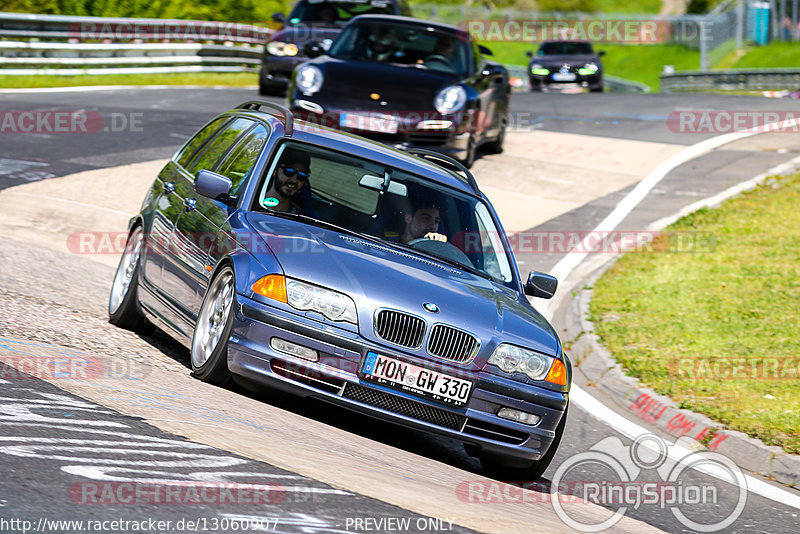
<point x="437" y="58"/>
<point x="443" y="249"/>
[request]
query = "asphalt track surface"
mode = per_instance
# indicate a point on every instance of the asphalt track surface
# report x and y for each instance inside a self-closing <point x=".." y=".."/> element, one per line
<point x="34" y="481"/>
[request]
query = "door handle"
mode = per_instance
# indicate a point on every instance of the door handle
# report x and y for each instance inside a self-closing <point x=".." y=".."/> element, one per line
<point x="169" y="187"/>
<point x="191" y="204"/>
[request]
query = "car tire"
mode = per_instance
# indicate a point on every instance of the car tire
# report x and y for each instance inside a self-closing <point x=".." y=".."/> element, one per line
<point x="472" y="148"/>
<point x="123" y="302"/>
<point x="209" y="352"/>
<point x="496" y="146"/>
<point x="598" y="89"/>
<point x="495" y="467"/>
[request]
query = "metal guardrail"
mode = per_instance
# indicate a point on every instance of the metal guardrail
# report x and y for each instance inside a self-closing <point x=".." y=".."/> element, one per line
<point x="82" y="29"/>
<point x="621" y="85"/>
<point x="731" y="80"/>
<point x="64" y="45"/>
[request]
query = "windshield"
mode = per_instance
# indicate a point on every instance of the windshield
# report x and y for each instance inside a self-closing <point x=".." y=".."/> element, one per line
<point x="337" y="13"/>
<point x="399" y="209"/>
<point x="419" y="46"/>
<point x="567" y="48"/>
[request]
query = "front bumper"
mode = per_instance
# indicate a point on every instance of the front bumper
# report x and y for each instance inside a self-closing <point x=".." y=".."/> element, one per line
<point x="336" y="379"/>
<point x="411" y="131"/>
<point x="592" y="81"/>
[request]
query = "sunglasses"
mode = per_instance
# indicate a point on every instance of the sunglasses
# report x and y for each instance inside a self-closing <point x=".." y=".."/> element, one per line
<point x="290" y="171"/>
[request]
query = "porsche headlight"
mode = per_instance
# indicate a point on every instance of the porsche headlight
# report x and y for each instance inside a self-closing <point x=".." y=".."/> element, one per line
<point x="588" y="69"/>
<point x="332" y="304"/>
<point x="514" y="359"/>
<point x="279" y="48"/>
<point x="309" y="79"/>
<point x="450" y="100"/>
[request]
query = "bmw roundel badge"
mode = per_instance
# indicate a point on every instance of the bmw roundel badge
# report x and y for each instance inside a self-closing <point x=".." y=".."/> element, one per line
<point x="431" y="307"/>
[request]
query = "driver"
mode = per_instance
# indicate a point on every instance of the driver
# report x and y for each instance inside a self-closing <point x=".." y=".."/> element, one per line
<point x="381" y="46"/>
<point x="289" y="178"/>
<point x="422" y="221"/>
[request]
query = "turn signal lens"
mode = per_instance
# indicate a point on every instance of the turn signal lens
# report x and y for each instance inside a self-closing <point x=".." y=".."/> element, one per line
<point x="557" y="374"/>
<point x="271" y="286"/>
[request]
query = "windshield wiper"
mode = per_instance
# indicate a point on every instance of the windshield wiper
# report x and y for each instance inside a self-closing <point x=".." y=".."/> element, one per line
<point x="453" y="263"/>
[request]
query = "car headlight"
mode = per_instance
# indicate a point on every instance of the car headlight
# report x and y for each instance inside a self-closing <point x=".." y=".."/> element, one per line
<point x="588" y="69"/>
<point x="450" y="100"/>
<point x="332" y="304"/>
<point x="309" y="79"/>
<point x="279" y="48"/>
<point x="514" y="359"/>
<point x="539" y="70"/>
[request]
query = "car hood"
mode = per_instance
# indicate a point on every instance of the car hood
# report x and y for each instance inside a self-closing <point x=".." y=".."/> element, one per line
<point x="570" y="59"/>
<point x="380" y="276"/>
<point x="350" y="83"/>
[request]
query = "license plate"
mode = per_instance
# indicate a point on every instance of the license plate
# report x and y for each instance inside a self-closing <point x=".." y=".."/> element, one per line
<point x="417" y="380"/>
<point x="373" y="123"/>
<point x="563" y="77"/>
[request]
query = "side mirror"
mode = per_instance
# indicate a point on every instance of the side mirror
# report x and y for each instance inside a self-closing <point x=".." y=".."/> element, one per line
<point x="492" y="70"/>
<point x="213" y="185"/>
<point x="484" y="50"/>
<point x="278" y="17"/>
<point x="529" y="53"/>
<point x="541" y="285"/>
<point x="601" y="53"/>
<point x="313" y="49"/>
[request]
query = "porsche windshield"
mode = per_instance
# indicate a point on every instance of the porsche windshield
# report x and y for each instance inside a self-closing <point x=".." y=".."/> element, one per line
<point x="390" y="205"/>
<point x="419" y="46"/>
<point x="566" y="48"/>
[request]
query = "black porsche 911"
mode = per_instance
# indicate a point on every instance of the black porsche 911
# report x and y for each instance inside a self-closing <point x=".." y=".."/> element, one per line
<point x="562" y="64"/>
<point x="407" y="82"/>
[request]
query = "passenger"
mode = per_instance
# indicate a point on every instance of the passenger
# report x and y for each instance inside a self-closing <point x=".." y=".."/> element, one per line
<point x="289" y="178"/>
<point x="381" y="46"/>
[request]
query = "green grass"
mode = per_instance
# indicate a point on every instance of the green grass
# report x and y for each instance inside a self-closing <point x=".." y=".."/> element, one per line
<point x="768" y="56"/>
<point x="629" y="7"/>
<point x="676" y="319"/>
<point x="640" y="63"/>
<point x="235" y="79"/>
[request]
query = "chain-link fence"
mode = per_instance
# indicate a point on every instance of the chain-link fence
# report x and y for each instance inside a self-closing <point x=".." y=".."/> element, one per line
<point x="726" y="28"/>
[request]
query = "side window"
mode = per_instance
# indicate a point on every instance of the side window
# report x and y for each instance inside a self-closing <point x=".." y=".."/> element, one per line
<point x="214" y="150"/>
<point x="237" y="166"/>
<point x="196" y="142"/>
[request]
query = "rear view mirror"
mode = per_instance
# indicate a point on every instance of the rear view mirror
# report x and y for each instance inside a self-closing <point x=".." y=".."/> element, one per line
<point x="376" y="182"/>
<point x="213" y="185"/>
<point x="601" y="53"/>
<point x="278" y="17"/>
<point x="541" y="285"/>
<point x="484" y="50"/>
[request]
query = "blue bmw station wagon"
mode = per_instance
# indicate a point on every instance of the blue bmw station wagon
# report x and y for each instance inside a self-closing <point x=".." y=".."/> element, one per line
<point x="334" y="267"/>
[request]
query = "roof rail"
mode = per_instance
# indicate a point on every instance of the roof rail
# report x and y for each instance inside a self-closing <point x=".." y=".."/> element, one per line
<point x="285" y="113"/>
<point x="448" y="163"/>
